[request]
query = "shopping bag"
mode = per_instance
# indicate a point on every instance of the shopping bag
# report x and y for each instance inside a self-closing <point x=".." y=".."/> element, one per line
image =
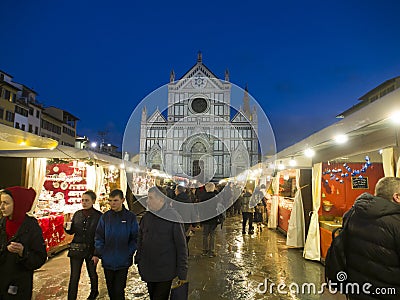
<point x="180" y="292"/>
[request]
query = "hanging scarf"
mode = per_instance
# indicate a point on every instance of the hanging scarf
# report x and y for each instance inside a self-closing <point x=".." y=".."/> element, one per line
<point x="23" y="199"/>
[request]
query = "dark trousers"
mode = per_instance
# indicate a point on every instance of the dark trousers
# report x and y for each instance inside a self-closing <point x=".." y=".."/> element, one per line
<point x="159" y="290"/>
<point x="76" y="267"/>
<point x="247" y="216"/>
<point x="116" y="283"/>
<point x="209" y="237"/>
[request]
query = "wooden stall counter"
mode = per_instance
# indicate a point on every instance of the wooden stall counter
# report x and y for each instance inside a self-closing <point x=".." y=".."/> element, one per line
<point x="325" y="231"/>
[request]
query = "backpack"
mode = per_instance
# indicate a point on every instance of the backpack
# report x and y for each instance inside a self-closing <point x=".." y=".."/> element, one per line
<point x="335" y="261"/>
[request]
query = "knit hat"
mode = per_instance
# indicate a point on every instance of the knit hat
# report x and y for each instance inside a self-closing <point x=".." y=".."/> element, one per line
<point x="23" y="200"/>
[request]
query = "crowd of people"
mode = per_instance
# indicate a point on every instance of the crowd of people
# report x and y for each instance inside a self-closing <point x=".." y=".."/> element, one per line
<point x="159" y="244"/>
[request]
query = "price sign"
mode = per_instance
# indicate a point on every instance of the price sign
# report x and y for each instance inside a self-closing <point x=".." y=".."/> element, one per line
<point x="359" y="183"/>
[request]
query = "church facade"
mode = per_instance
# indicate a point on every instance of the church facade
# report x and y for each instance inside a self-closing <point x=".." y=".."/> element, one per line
<point x="199" y="135"/>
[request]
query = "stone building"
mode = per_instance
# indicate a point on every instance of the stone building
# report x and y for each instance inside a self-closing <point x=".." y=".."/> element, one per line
<point x="199" y="134"/>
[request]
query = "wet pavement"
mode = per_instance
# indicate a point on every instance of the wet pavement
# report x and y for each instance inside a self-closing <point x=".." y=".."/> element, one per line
<point x="246" y="267"/>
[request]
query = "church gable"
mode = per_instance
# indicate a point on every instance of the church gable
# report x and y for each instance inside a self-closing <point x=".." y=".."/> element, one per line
<point x="157" y="117"/>
<point x="199" y="70"/>
<point x="198" y="77"/>
<point x="239" y="118"/>
<point x="199" y="80"/>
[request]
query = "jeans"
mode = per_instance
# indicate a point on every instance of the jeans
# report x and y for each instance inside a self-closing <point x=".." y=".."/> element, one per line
<point x="209" y="237"/>
<point x="76" y="267"/>
<point x="116" y="283"/>
<point x="159" y="290"/>
<point x="247" y="216"/>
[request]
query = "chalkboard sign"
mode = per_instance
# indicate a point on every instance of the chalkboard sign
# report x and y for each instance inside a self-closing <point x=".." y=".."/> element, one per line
<point x="359" y="183"/>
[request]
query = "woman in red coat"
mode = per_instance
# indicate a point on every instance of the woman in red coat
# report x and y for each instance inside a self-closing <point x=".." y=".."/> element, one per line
<point x="22" y="248"/>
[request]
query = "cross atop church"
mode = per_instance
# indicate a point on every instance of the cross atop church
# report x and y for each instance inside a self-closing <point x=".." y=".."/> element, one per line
<point x="199" y="57"/>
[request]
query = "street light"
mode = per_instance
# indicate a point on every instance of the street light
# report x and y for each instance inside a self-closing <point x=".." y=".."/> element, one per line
<point x="395" y="117"/>
<point x="341" y="138"/>
<point x="309" y="152"/>
<point x="93" y="145"/>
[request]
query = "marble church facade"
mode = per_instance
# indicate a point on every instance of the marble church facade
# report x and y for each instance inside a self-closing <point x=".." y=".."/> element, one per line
<point x="199" y="135"/>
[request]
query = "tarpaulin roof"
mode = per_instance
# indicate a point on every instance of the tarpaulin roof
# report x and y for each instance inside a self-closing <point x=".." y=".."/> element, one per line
<point x="63" y="152"/>
<point x="16" y="139"/>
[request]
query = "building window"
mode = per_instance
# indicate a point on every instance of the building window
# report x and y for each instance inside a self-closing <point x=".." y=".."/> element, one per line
<point x="218" y="145"/>
<point x="219" y="160"/>
<point x="219" y="133"/>
<point x="248" y="145"/>
<point x="69" y="121"/>
<point x="69" y="131"/>
<point x="21" y="111"/>
<point x="17" y="125"/>
<point x="37" y="114"/>
<point x="31" y="110"/>
<point x="23" y="127"/>
<point x="150" y="144"/>
<point x="176" y="145"/>
<point x="178" y="109"/>
<point x="1" y="113"/>
<point x="36" y="130"/>
<point x="178" y="133"/>
<point x="7" y="95"/>
<point x="9" y="116"/>
<point x="219" y="109"/>
<point x="51" y="127"/>
<point x="30" y="128"/>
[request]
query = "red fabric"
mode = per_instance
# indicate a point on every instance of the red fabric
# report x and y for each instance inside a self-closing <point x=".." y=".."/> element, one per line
<point x="23" y="199"/>
<point x="53" y="230"/>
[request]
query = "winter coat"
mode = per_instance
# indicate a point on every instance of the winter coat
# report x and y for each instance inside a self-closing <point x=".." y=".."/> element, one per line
<point x="116" y="238"/>
<point x="210" y="209"/>
<point x="18" y="271"/>
<point x="247" y="203"/>
<point x="373" y="245"/>
<point x="186" y="211"/>
<point x="162" y="249"/>
<point x="84" y="228"/>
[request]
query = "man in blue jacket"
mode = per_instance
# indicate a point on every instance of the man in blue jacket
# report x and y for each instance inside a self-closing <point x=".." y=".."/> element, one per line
<point x="115" y="243"/>
<point x="162" y="249"/>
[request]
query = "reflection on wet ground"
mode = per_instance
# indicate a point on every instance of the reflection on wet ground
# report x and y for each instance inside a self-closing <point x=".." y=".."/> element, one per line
<point x="246" y="267"/>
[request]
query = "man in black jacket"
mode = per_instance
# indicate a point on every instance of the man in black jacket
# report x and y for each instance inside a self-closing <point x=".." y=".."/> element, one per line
<point x="162" y="252"/>
<point x="373" y="243"/>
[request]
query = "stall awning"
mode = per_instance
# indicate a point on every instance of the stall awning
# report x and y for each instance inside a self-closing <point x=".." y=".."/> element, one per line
<point x="367" y="129"/>
<point x="15" y="139"/>
<point x="63" y="152"/>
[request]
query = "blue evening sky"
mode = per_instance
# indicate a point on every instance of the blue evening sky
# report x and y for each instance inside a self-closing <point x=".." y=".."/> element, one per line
<point x="303" y="61"/>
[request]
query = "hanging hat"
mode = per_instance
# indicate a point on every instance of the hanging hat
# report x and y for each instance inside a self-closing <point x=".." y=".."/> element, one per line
<point x="23" y="199"/>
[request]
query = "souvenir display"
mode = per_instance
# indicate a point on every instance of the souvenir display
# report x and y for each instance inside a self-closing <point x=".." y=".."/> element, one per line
<point x="61" y="196"/>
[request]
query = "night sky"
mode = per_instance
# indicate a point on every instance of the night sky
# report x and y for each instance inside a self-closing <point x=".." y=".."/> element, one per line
<point x="304" y="61"/>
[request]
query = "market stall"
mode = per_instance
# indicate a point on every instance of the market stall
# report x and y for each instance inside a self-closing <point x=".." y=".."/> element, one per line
<point x="341" y="184"/>
<point x="370" y="130"/>
<point x="60" y="177"/>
